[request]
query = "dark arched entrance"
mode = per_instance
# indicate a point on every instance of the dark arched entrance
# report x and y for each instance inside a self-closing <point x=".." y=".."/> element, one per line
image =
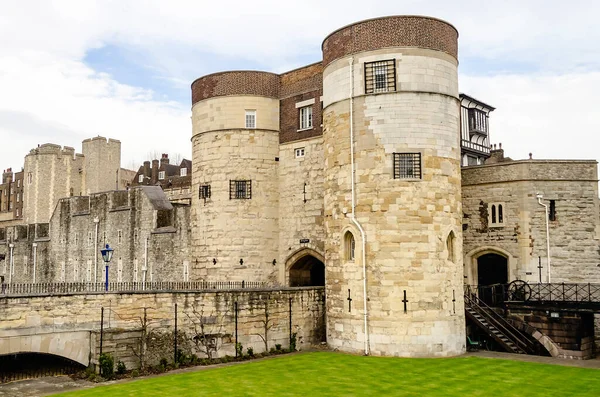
<point x="35" y="365"/>
<point x="492" y="269"/>
<point x="307" y="271"/>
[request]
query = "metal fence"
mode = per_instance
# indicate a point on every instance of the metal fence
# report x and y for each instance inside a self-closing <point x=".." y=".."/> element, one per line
<point x="29" y="366"/>
<point x="76" y="288"/>
<point x="521" y="291"/>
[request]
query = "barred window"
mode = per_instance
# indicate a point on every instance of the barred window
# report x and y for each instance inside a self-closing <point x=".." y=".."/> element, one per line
<point x="240" y="190"/>
<point x="407" y="165"/>
<point x="204" y="192"/>
<point x="306" y="117"/>
<point x="380" y="76"/>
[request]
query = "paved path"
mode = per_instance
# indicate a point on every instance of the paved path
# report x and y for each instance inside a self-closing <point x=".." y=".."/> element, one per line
<point x="593" y="363"/>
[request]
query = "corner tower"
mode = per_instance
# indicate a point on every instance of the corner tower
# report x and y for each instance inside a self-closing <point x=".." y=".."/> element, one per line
<point x="392" y="180"/>
<point x="235" y="197"/>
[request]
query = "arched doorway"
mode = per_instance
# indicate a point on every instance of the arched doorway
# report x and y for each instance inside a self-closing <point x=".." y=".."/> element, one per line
<point x="307" y="271"/>
<point x="491" y="269"/>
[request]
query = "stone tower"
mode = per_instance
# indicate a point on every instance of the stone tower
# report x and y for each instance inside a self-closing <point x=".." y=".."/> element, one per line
<point x="235" y="199"/>
<point x="102" y="164"/>
<point x="392" y="180"/>
<point x="50" y="173"/>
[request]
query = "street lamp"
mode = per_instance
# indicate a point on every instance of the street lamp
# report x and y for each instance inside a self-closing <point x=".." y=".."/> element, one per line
<point x="107" y="254"/>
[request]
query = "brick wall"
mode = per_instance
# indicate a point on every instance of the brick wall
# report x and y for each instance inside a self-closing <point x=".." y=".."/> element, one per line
<point x="235" y="83"/>
<point x="394" y="31"/>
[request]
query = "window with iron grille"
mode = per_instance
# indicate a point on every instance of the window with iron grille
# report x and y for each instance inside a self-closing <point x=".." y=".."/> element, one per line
<point x="240" y="190"/>
<point x="407" y="165"/>
<point x="204" y="192"/>
<point x="380" y="76"/>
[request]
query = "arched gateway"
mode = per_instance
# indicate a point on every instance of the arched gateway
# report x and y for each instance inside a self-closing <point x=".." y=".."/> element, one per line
<point x="306" y="268"/>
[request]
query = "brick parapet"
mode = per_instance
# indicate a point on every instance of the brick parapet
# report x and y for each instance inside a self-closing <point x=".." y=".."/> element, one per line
<point x="392" y="31"/>
<point x="241" y="82"/>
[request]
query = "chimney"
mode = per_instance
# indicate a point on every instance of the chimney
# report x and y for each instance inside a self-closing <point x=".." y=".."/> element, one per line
<point x="7" y="176"/>
<point x="164" y="159"/>
<point x="496" y="155"/>
<point x="154" y="172"/>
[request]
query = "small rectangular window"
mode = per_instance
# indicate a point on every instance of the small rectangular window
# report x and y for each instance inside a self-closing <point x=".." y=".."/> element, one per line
<point x="18" y="183"/>
<point x="300" y="152"/>
<point x="407" y="165"/>
<point x="29" y="178"/>
<point x="161" y="175"/>
<point x="119" y="236"/>
<point x="552" y="213"/>
<point x="380" y="76"/>
<point x="183" y="172"/>
<point x="240" y="190"/>
<point x="204" y="192"/>
<point x="306" y="117"/>
<point x="141" y="179"/>
<point x="250" y="118"/>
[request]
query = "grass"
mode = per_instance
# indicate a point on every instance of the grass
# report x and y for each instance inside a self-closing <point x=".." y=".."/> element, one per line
<point x="336" y="374"/>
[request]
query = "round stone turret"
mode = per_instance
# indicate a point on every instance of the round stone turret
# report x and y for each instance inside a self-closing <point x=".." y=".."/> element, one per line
<point x="392" y="83"/>
<point x="235" y="201"/>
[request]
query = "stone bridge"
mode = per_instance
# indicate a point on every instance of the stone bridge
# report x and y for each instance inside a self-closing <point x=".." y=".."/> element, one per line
<point x="68" y="325"/>
<point x="74" y="345"/>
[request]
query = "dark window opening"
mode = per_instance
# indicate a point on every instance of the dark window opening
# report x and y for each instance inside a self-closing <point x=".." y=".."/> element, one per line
<point x="500" y="215"/>
<point x="493" y="214"/>
<point x="380" y="76"/>
<point x="407" y="165"/>
<point x="240" y="190"/>
<point x="204" y="192"/>
<point x="552" y="213"/>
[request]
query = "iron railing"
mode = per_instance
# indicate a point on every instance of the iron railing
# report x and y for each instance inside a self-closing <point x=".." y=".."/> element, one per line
<point x="475" y="146"/>
<point x="521" y="291"/>
<point x="521" y="340"/>
<point x="76" y="288"/>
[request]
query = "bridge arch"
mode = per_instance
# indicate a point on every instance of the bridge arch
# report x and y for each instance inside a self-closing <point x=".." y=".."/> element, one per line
<point x="472" y="262"/>
<point x="75" y="346"/>
<point x="305" y="267"/>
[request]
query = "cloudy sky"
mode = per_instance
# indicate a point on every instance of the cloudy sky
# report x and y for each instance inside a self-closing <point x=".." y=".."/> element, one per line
<point x="122" y="68"/>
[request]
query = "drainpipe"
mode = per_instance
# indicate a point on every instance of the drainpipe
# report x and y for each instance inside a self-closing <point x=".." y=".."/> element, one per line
<point x="352" y="215"/>
<point x="539" y="197"/>
<point x="34" y="245"/>
<point x="145" y="269"/>
<point x="97" y="222"/>
<point x="11" y="263"/>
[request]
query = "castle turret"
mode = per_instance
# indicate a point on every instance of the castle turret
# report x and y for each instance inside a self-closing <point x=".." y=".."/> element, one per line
<point x="392" y="166"/>
<point x="102" y="164"/>
<point x="235" y="145"/>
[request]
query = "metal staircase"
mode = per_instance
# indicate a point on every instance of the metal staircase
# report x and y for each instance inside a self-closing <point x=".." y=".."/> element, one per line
<point x="497" y="327"/>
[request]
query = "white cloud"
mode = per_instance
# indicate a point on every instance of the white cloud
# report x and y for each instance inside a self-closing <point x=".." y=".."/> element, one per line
<point x="551" y="116"/>
<point x="43" y="44"/>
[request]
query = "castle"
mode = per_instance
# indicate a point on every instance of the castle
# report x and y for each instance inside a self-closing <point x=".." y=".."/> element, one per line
<point x="366" y="172"/>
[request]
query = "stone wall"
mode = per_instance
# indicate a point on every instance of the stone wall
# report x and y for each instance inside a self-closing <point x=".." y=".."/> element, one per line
<point x="300" y="202"/>
<point x="138" y="224"/>
<point x="124" y="320"/>
<point x="573" y="187"/>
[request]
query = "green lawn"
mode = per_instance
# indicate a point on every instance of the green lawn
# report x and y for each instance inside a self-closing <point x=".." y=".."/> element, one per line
<point x="336" y="374"/>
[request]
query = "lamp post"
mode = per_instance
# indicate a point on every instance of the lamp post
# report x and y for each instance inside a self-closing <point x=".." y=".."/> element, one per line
<point x="107" y="254"/>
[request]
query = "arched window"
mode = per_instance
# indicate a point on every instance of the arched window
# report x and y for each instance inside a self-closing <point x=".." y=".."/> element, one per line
<point x="500" y="213"/>
<point x="450" y="246"/>
<point x="350" y="245"/>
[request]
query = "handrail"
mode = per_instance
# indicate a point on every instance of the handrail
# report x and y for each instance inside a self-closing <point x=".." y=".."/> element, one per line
<point x="499" y="322"/>
<point x="13" y="289"/>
